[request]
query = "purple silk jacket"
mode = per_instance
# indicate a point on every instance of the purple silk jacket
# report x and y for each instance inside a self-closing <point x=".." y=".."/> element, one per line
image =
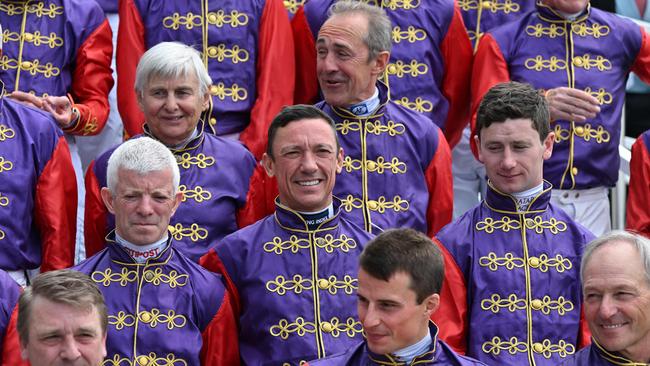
<point x="481" y="16"/>
<point x="519" y="282"/>
<point x="596" y="355"/>
<point x="295" y="288"/>
<point x="439" y="354"/>
<point x="215" y="175"/>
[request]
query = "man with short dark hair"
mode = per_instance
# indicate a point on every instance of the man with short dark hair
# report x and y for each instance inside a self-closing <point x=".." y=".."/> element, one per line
<point x="615" y="276"/>
<point x="400" y="278"/>
<point x="511" y="294"/>
<point x="62" y="319"/>
<point x="293" y="273"/>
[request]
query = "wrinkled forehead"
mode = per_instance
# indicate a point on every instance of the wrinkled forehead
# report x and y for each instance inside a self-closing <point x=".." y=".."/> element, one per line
<point x="344" y="29"/>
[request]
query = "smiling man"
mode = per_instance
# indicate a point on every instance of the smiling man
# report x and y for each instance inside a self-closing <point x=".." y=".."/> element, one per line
<point x="512" y="294"/>
<point x="616" y="286"/>
<point x="293" y="274"/>
<point x="400" y="279"/>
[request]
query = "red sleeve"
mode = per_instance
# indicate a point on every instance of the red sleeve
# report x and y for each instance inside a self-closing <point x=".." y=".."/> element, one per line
<point x="490" y="68"/>
<point x="260" y="199"/>
<point x="306" y="79"/>
<point x="92" y="81"/>
<point x="584" y="338"/>
<point x="275" y="75"/>
<point x="55" y="209"/>
<point x="211" y="262"/>
<point x="220" y="337"/>
<point x="11" y="345"/>
<point x="130" y="48"/>
<point x="638" y="200"/>
<point x="456" y="49"/>
<point x="441" y="191"/>
<point x="451" y="316"/>
<point x="95" y="214"/>
<point x="641" y="66"/>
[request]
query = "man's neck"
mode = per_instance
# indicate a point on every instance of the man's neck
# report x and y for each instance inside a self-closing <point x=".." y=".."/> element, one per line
<point x="140" y="253"/>
<point x="640" y="352"/>
<point x="407" y="354"/>
<point x="367" y="106"/>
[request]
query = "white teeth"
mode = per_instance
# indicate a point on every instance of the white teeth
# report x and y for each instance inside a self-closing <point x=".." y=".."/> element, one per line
<point x="612" y="326"/>
<point x="309" y="183"/>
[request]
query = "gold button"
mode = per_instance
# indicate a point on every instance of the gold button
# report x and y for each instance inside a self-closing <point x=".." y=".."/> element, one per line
<point x="536" y="304"/>
<point x="323" y="284"/>
<point x="25" y="64"/>
<point x="371" y="165"/>
<point x="533" y="262"/>
<point x="372" y="205"/>
<point x="214" y="90"/>
<point x="578" y="61"/>
<point x="320" y="241"/>
<point x="143" y="360"/>
<point x="145" y="316"/>
<point x="574" y="171"/>
<point x="580" y="130"/>
<point x="486" y="4"/>
<point x="392" y="69"/>
<point x="28" y="37"/>
<point x="212" y="18"/>
<point x="538" y="347"/>
<point x="213" y="121"/>
<point x="148" y="275"/>
<point x="212" y="51"/>
<point x="326" y="327"/>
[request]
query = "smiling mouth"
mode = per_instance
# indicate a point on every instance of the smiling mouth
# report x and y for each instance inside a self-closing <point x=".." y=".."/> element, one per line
<point x="613" y="326"/>
<point x="308" y="183"/>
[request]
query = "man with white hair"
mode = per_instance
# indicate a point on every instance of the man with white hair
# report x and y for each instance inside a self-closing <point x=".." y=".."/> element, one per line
<point x="162" y="306"/>
<point x="615" y="276"/>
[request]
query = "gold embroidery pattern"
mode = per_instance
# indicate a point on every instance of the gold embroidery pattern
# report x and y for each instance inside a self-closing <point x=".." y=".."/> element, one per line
<point x="220" y="53"/>
<point x="380" y="205"/>
<point x="4" y="200"/>
<point x="348" y="285"/>
<point x="400" y="4"/>
<point x="601" y="94"/>
<point x="495" y="303"/>
<point x="90" y="127"/>
<point x="105" y="278"/>
<point x="5" y="165"/>
<point x="379" y="166"/>
<point x="539" y="225"/>
<point x="153" y="318"/>
<point x="38" y="9"/>
<point x="194" y="232"/>
<point x="586" y="62"/>
<point x="372" y="127"/>
<point x="596" y="30"/>
<point x="293" y="5"/>
<point x="235" y="93"/>
<point x="493" y="262"/>
<point x="36" y="38"/>
<point x="155" y="277"/>
<point x="496" y="345"/>
<point x="277" y="245"/>
<point x="150" y="359"/>
<point x="6" y="133"/>
<point x="539" y="63"/>
<point x="219" y="19"/>
<point x="189" y="21"/>
<point x="505" y="224"/>
<point x="200" y="160"/>
<point x="419" y="105"/>
<point x="33" y="67"/>
<point x="329" y="243"/>
<point x="234" y="19"/>
<point x="300" y="327"/>
<point x="414" y="69"/>
<point x="411" y="34"/>
<point x="586" y="132"/>
<point x="560" y="263"/>
<point x="563" y="348"/>
<point x="298" y="284"/>
<point x="561" y="305"/>
<point x="2" y="234"/>
<point x="539" y="30"/>
<point x="173" y="279"/>
<point x="198" y="194"/>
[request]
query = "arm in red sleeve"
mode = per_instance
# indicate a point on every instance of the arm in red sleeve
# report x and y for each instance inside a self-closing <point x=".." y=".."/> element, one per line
<point x="220" y="337"/>
<point x="55" y="209"/>
<point x="95" y="214"/>
<point x="440" y="184"/>
<point x="130" y="48"/>
<point x="638" y="200"/>
<point x="584" y="337"/>
<point x="641" y="66"/>
<point x="456" y="49"/>
<point x="490" y="68"/>
<point x="212" y="263"/>
<point x="275" y="75"/>
<point x="303" y="40"/>
<point x="92" y="81"/>
<point x="260" y="199"/>
<point x="11" y="345"/>
<point x="451" y="316"/>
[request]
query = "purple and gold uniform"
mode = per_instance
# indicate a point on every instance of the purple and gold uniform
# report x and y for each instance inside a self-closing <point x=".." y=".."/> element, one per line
<point x="594" y="53"/>
<point x="247" y="48"/>
<point x="294" y="287"/>
<point x="168" y="310"/>
<point x="596" y="355"/>
<point x="511" y="294"/>
<point x="37" y="191"/>
<point x="215" y="175"/>
<point x="59" y="48"/>
<point x="430" y="64"/>
<point x="439" y="354"/>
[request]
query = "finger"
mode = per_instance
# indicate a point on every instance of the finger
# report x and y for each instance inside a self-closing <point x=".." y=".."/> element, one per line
<point x="27" y="98"/>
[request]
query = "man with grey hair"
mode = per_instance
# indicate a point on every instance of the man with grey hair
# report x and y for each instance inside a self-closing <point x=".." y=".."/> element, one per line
<point x="615" y="274"/>
<point x="162" y="306"/>
<point x="172" y="89"/>
<point x="397" y="169"/>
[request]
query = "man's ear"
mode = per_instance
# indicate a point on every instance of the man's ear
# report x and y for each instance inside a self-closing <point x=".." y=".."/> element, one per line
<point x="549" y="141"/>
<point x="269" y="165"/>
<point x="432" y="304"/>
<point x="107" y="197"/>
<point x="178" y="198"/>
<point x="477" y="141"/>
<point x="381" y="61"/>
<point x="339" y="161"/>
